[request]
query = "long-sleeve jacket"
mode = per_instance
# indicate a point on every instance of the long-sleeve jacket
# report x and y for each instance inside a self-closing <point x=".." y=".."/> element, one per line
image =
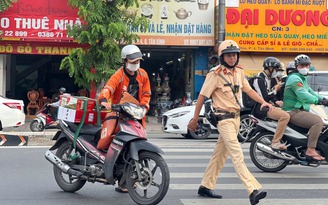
<point x="119" y="83"/>
<point x="298" y="94"/>
<point x="262" y="86"/>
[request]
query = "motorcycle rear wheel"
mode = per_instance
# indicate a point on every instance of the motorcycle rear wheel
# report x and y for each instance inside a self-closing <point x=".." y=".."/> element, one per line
<point x="264" y="161"/>
<point x="67" y="182"/>
<point x="155" y="179"/>
<point x="246" y="126"/>
<point x="35" y="126"/>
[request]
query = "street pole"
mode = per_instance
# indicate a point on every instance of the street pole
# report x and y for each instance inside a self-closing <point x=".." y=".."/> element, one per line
<point x="221" y="22"/>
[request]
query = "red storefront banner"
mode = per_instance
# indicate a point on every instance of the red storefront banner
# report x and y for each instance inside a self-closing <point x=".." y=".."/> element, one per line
<point x="44" y="20"/>
<point x="41" y="48"/>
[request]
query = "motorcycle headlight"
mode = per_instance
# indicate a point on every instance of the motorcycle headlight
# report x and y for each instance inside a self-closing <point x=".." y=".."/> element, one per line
<point x="135" y="111"/>
<point x="179" y="114"/>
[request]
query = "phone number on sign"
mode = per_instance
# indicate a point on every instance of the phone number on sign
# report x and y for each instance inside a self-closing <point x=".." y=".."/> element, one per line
<point x="52" y="34"/>
<point x="15" y="33"/>
<point x="304" y="49"/>
<point x="39" y="34"/>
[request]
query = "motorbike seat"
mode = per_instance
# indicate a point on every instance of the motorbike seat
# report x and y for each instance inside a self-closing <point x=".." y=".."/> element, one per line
<point x="88" y="129"/>
<point x="298" y="129"/>
<point x="294" y="127"/>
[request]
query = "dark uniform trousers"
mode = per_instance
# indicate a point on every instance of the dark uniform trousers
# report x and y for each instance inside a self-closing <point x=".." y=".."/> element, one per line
<point x="228" y="145"/>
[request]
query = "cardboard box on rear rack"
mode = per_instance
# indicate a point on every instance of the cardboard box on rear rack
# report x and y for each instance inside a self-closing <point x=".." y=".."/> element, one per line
<point x="71" y="109"/>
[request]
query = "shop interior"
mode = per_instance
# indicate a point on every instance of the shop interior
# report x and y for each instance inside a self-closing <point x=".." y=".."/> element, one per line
<point x="169" y="72"/>
<point x="38" y="76"/>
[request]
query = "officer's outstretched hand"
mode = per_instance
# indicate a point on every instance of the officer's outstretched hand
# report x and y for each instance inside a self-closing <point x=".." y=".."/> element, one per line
<point x="192" y="125"/>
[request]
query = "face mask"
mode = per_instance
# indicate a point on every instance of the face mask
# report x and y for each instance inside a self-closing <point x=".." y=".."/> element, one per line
<point x="274" y="74"/>
<point x="280" y="74"/>
<point x="303" y="71"/>
<point x="133" y="67"/>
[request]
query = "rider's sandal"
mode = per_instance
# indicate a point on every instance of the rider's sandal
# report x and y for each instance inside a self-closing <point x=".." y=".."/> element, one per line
<point x="313" y="159"/>
<point x="121" y="190"/>
<point x="278" y="146"/>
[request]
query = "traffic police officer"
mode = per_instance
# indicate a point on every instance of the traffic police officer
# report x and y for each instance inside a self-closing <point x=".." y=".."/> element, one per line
<point x="223" y="85"/>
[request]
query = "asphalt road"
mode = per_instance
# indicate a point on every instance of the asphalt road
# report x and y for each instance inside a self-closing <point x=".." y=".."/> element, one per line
<point x="27" y="179"/>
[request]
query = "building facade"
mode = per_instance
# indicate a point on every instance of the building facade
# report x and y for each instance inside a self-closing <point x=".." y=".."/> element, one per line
<point x="179" y="47"/>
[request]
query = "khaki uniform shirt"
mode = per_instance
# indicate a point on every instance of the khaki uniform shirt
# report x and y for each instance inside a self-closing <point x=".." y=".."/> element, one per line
<point x="222" y="96"/>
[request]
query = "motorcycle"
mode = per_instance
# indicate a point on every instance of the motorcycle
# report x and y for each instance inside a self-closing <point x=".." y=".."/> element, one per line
<point x="295" y="138"/>
<point x="131" y="160"/>
<point x="43" y="120"/>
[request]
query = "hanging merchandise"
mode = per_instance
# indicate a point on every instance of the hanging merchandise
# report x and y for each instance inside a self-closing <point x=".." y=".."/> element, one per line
<point x="188" y="100"/>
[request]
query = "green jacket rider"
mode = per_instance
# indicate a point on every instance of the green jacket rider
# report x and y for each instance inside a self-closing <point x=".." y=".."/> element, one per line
<point x="298" y="94"/>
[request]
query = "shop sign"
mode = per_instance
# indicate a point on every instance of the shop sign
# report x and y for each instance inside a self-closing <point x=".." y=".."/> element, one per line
<point x="185" y="23"/>
<point x="31" y="20"/>
<point x="35" y="48"/>
<point x="180" y="23"/>
<point x="278" y="25"/>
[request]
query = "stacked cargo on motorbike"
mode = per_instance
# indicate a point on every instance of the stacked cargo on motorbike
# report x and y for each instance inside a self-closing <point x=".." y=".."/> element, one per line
<point x="71" y="109"/>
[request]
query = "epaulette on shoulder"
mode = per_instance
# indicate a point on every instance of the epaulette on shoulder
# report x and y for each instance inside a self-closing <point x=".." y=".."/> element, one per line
<point x="217" y="69"/>
<point x="239" y="66"/>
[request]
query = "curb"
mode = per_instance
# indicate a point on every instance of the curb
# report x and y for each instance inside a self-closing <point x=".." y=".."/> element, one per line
<point x="45" y="138"/>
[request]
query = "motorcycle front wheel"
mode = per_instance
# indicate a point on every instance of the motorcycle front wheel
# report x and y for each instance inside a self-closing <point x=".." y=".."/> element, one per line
<point x="154" y="182"/>
<point x="35" y="126"/>
<point x="66" y="182"/>
<point x="262" y="160"/>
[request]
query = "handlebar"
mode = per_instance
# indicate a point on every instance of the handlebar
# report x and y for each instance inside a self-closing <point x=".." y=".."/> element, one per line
<point x="116" y="107"/>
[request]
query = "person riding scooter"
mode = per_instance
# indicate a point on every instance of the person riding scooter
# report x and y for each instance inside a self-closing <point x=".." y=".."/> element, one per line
<point x="264" y="88"/>
<point x="55" y="103"/>
<point x="129" y="80"/>
<point x="298" y="97"/>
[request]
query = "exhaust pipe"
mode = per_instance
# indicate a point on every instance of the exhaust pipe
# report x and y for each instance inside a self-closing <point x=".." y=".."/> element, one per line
<point x="61" y="165"/>
<point x="280" y="155"/>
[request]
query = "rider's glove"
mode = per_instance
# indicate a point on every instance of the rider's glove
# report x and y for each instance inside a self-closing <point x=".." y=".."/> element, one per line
<point x="323" y="102"/>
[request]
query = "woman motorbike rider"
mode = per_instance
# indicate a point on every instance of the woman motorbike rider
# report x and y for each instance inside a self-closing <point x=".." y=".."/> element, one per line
<point x="298" y="97"/>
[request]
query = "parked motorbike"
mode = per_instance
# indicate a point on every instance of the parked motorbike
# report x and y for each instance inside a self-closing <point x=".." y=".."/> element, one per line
<point x="43" y="120"/>
<point x="130" y="160"/>
<point x="270" y="160"/>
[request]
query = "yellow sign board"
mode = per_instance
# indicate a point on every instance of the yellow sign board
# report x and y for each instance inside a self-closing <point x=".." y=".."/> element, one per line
<point x="278" y="25"/>
<point x="172" y="22"/>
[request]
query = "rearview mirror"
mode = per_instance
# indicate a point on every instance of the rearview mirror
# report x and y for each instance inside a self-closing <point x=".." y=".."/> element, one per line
<point x="319" y="88"/>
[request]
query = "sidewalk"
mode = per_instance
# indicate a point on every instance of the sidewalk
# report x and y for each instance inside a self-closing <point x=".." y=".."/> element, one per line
<point x="152" y="125"/>
<point x="44" y="138"/>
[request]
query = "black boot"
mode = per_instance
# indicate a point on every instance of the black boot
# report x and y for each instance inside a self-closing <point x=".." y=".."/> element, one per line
<point x="203" y="191"/>
<point x="256" y="196"/>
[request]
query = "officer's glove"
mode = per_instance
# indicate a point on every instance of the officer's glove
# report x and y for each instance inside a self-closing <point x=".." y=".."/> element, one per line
<point x="323" y="102"/>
